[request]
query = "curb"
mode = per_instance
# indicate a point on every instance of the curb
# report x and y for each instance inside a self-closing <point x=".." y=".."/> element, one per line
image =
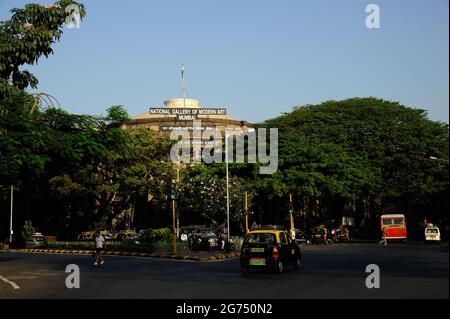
<point x="217" y="257"/>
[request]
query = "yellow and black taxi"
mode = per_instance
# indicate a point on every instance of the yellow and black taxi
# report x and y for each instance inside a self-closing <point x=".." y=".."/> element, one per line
<point x="321" y="234"/>
<point x="271" y="249"/>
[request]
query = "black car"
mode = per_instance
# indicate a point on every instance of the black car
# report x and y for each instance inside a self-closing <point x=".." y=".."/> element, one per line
<point x="301" y="237"/>
<point x="269" y="249"/>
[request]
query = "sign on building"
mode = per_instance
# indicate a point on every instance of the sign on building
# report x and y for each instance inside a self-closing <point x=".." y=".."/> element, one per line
<point x="186" y="114"/>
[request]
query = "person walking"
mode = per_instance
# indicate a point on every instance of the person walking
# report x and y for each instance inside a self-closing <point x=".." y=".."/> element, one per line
<point x="99" y="245"/>
<point x="223" y="242"/>
<point x="383" y="240"/>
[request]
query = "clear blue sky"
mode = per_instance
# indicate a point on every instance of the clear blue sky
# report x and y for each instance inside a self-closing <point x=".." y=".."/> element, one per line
<point x="257" y="58"/>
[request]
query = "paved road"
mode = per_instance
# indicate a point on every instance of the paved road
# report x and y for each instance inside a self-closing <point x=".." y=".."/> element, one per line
<point x="338" y="271"/>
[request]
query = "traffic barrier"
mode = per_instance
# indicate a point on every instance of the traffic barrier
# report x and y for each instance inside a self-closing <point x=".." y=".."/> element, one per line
<point x="219" y="256"/>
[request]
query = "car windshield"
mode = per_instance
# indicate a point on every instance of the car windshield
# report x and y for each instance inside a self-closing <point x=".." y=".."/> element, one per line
<point x="398" y="221"/>
<point x="387" y="222"/>
<point x="260" y="238"/>
<point x="432" y="231"/>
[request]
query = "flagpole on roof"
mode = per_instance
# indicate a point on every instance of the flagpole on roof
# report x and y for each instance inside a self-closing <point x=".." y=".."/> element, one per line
<point x="183" y="88"/>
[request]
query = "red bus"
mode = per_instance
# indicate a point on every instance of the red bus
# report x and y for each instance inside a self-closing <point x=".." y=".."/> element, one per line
<point x="394" y="226"/>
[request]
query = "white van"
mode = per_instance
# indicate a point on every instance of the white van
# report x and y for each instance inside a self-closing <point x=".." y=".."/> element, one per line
<point x="432" y="234"/>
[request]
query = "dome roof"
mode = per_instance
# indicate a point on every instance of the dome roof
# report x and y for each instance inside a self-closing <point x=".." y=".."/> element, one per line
<point x="181" y="102"/>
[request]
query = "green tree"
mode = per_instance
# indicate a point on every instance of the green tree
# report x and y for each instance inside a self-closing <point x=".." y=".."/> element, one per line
<point x="136" y="167"/>
<point x="117" y="114"/>
<point x="362" y="148"/>
<point x="26" y="37"/>
<point x="28" y="230"/>
<point x="203" y="193"/>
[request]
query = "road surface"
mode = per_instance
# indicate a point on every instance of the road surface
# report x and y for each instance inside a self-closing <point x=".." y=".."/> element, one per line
<point x="337" y="271"/>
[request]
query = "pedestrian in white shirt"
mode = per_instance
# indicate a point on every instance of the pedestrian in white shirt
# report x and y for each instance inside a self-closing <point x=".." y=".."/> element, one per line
<point x="99" y="245"/>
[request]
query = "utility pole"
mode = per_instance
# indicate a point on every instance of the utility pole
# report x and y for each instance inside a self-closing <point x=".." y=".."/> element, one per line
<point x="228" y="198"/>
<point x="246" y="213"/>
<point x="291" y="215"/>
<point x="11" y="216"/>
<point x="178" y="217"/>
<point x="174" y="234"/>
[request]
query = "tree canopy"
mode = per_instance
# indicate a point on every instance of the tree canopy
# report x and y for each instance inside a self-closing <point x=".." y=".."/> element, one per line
<point x="359" y="148"/>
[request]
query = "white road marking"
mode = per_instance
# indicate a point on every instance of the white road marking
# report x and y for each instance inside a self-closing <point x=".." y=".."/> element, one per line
<point x="12" y="283"/>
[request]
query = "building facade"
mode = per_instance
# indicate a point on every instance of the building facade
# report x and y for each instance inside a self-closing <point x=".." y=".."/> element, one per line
<point x="180" y="114"/>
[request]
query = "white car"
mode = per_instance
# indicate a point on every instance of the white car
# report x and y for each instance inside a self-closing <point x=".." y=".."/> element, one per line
<point x="432" y="234"/>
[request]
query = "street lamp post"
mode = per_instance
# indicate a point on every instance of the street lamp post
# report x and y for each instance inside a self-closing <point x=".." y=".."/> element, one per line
<point x="246" y="213"/>
<point x="228" y="195"/>
<point x="11" y="216"/>
<point x="178" y="217"/>
<point x="174" y="225"/>
<point x="291" y="217"/>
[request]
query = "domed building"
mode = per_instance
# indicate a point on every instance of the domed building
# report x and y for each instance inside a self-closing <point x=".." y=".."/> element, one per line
<point x="179" y="114"/>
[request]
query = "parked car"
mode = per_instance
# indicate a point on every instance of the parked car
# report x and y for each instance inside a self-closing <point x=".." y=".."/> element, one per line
<point x="271" y="249"/>
<point x="125" y="234"/>
<point x="302" y="237"/>
<point x="90" y="235"/>
<point x="202" y="239"/>
<point x="38" y="239"/>
<point x="186" y="231"/>
<point x="86" y="235"/>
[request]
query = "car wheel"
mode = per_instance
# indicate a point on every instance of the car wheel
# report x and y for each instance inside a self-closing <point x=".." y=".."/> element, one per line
<point x="298" y="263"/>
